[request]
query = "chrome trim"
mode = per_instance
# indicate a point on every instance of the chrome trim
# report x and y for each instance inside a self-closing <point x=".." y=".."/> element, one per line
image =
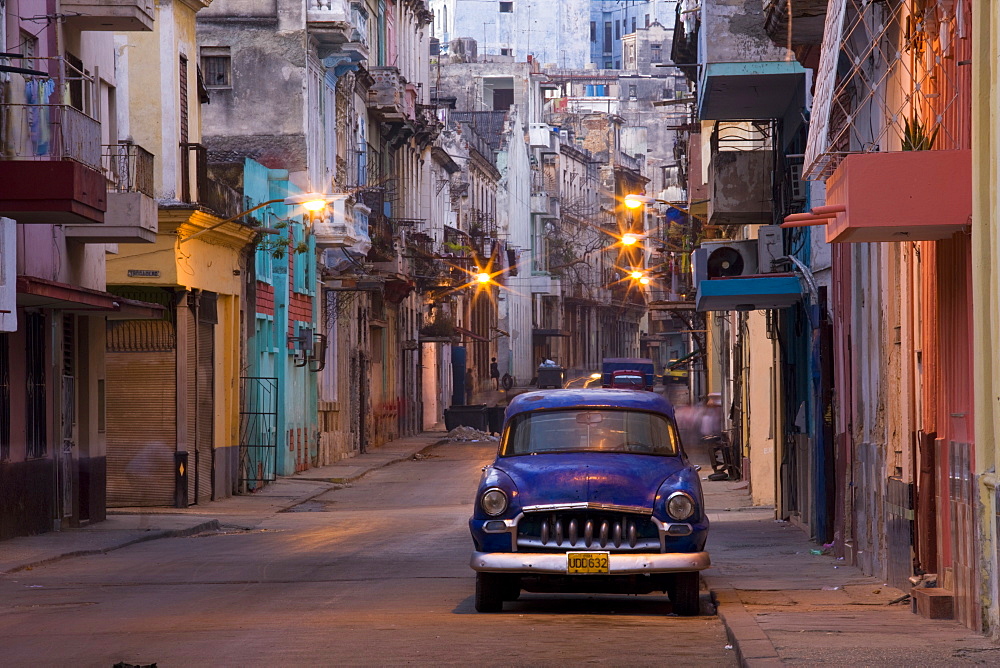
<point x="618" y="564"/>
<point x="585" y="505"/>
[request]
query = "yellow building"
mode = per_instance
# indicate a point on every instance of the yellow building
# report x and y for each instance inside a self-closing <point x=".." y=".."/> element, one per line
<point x="173" y="384"/>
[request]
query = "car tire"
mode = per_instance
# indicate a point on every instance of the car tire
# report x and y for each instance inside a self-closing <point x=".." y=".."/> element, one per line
<point x="489" y="592"/>
<point x="685" y="594"/>
<point x="512" y="588"/>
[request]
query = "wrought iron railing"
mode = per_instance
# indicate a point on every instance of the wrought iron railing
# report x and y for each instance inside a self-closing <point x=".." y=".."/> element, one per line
<point x="198" y="188"/>
<point x="129" y="168"/>
<point x="49" y="132"/>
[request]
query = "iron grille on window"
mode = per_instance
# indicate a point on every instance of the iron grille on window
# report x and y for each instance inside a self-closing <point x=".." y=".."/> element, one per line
<point x="216" y="70"/>
<point x="4" y="397"/>
<point x="35" y="399"/>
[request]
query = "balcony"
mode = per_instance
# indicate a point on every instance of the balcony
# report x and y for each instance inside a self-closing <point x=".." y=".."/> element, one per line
<point x="744" y="75"/>
<point x="387" y="95"/>
<point x="109" y="15"/>
<point x="807" y="20"/>
<point x="345" y="227"/>
<point x="748" y="293"/>
<point x="899" y="196"/>
<point x="51" y="169"/>
<point x="132" y="211"/>
<point x="341" y="32"/>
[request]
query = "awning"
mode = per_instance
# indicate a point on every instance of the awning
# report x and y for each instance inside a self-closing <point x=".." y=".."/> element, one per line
<point x="470" y="334"/>
<point x="682" y="360"/>
<point x="543" y="333"/>
<point x="34" y="292"/>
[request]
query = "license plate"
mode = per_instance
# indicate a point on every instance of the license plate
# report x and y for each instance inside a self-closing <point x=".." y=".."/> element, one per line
<point x="587" y="562"/>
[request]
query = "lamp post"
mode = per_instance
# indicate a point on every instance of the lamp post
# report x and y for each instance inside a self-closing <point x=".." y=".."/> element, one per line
<point x="311" y="202"/>
<point x="634" y="201"/>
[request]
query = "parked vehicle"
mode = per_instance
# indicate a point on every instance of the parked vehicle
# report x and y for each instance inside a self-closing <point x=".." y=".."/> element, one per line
<point x="590" y="492"/>
<point x="630" y="373"/>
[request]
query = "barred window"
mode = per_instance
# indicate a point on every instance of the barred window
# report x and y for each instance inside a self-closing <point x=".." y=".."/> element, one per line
<point x="216" y="64"/>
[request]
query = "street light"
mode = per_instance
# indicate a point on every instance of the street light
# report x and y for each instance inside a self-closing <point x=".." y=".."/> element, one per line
<point x="634" y="201"/>
<point x="311" y="202"/>
<point x="483" y="277"/>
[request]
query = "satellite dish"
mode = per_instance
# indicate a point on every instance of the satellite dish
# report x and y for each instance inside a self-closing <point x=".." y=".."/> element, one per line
<point x="725" y="261"/>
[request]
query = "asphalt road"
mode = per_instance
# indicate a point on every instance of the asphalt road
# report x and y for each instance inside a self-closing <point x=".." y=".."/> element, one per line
<point x="375" y="573"/>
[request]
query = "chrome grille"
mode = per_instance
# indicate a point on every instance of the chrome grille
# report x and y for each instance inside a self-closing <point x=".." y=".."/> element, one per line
<point x="579" y="530"/>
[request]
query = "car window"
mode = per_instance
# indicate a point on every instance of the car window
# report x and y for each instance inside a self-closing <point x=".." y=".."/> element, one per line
<point x="590" y="430"/>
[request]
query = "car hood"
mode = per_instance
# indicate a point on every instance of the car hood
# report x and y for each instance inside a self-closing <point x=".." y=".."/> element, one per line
<point x="611" y="478"/>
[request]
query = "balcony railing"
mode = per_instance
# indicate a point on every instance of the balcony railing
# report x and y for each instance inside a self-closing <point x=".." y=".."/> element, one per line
<point x="386" y="97"/>
<point x="198" y="188"/>
<point x="129" y="168"/>
<point x="49" y="132"/>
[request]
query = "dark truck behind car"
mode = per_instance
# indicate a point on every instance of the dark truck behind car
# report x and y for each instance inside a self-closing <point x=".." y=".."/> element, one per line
<point x="628" y="373"/>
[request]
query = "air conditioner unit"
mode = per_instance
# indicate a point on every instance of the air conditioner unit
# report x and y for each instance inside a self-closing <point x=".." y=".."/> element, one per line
<point x="770" y="247"/>
<point x="726" y="259"/>
<point x="738" y="275"/>
<point x="797" y="184"/>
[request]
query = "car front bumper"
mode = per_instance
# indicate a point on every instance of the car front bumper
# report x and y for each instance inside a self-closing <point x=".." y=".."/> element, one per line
<point x="619" y="564"/>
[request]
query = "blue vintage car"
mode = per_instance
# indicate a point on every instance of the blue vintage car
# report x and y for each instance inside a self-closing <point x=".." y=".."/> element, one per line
<point x="590" y="492"/>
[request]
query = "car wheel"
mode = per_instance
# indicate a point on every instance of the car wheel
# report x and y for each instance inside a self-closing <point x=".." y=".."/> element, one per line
<point x="489" y="592"/>
<point x="685" y="594"/>
<point x="512" y="588"/>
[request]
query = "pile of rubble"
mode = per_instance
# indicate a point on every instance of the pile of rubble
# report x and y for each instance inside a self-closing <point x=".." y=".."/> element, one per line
<point x="472" y="434"/>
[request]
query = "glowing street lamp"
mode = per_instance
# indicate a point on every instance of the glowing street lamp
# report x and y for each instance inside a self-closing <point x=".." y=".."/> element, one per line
<point x="634" y="201"/>
<point x="629" y="239"/>
<point x="644" y="280"/>
<point x="311" y="202"/>
<point x="636" y="274"/>
<point x="483" y="277"/>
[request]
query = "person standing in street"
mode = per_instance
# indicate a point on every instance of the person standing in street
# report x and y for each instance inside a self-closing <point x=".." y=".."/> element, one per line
<point x="495" y="373"/>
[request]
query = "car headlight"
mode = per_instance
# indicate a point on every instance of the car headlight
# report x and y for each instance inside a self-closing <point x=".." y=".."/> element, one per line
<point x="494" y="501"/>
<point x="680" y="506"/>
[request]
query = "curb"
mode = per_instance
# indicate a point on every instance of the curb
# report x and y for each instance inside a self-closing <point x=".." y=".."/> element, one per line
<point x="344" y="480"/>
<point x="170" y="533"/>
<point x="752" y="646"/>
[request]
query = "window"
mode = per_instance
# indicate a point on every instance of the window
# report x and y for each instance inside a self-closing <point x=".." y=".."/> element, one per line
<point x="647" y="20"/>
<point x="29" y="49"/>
<point x="506" y="52"/>
<point x="217" y="66"/>
<point x="656" y="54"/>
<point x="608" y="64"/>
<point x="633" y="93"/>
<point x="35" y="397"/>
<point x="633" y="24"/>
<point x="607" y="37"/>
<point x="618" y="29"/>
<point x="593" y="31"/>
<point x="4" y="397"/>
<point x="506" y="7"/>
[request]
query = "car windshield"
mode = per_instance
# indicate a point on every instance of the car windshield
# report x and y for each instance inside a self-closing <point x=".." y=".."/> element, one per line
<point x="628" y="381"/>
<point x="590" y="430"/>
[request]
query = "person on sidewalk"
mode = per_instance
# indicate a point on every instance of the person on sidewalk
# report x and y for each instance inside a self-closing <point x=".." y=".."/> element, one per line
<point x="495" y="373"/>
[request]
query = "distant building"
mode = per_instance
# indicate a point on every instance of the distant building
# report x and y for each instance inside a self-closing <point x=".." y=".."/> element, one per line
<point x="612" y="20"/>
<point x="549" y="32"/>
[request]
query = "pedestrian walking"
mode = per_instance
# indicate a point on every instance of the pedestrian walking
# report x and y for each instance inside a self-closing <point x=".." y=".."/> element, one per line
<point x="495" y="373"/>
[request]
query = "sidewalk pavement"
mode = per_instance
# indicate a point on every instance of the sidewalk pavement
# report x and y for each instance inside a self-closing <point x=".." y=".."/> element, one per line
<point x="780" y="601"/>
<point x="784" y="602"/>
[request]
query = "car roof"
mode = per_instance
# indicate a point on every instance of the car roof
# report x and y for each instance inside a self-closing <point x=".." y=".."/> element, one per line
<point x="589" y="398"/>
